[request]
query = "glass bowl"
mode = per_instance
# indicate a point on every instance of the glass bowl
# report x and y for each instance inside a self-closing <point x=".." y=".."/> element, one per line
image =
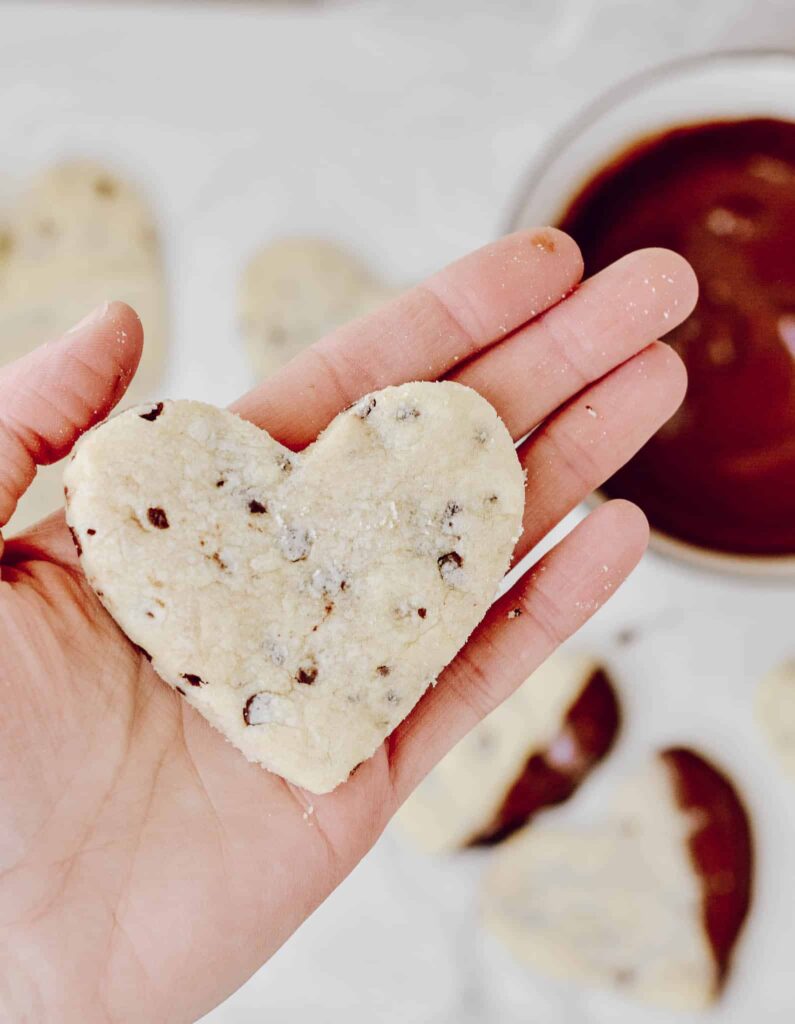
<point x="724" y="86"/>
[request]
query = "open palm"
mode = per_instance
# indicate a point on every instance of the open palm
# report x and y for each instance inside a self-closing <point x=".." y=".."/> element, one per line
<point x="146" y="868"/>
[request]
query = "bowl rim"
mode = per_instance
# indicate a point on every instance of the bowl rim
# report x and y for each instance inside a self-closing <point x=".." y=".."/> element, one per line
<point x="614" y="95"/>
<point x="769" y="567"/>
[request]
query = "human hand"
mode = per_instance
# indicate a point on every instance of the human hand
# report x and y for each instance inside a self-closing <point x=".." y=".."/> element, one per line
<point x="147" y="868"/>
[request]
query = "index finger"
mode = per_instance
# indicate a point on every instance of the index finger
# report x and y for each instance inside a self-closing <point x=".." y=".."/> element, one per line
<point x="421" y="335"/>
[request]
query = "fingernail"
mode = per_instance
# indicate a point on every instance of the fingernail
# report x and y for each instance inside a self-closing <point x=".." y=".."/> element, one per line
<point x="93" y="317"/>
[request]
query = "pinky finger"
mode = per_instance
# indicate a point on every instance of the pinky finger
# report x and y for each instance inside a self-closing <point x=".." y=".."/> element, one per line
<point x="546" y="606"/>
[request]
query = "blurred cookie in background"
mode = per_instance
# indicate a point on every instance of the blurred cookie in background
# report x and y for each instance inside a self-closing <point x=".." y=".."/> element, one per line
<point x="531" y="752"/>
<point x="775" y="712"/>
<point x="648" y="903"/>
<point x="80" y="235"/>
<point x="296" y="290"/>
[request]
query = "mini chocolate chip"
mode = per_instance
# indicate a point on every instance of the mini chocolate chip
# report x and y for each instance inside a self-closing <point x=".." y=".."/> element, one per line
<point x="256" y="508"/>
<point x="514" y="613"/>
<point x="364" y="407"/>
<point x="422" y="612"/>
<point x="262" y="709"/>
<point x="247" y="708"/>
<point x="100" y="593"/>
<point x="158" y="518"/>
<point x="76" y="540"/>
<point x="180" y="690"/>
<point x="295" y="543"/>
<point x="343" y="584"/>
<point x="329" y="608"/>
<point x="220" y="483"/>
<point x="450" y="568"/>
<point x="150" y="615"/>
<point x="383" y="670"/>
<point x="153" y="413"/>
<point x="492" y="498"/>
<point x="406" y="412"/>
<point x="327" y="581"/>
<point x="91" y="532"/>
<point x="452" y="508"/>
<point x="194" y="680"/>
<point x="306" y="674"/>
<point x="218" y="561"/>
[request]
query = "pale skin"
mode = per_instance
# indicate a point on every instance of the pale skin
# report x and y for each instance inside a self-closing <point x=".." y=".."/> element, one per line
<point x="147" y="869"/>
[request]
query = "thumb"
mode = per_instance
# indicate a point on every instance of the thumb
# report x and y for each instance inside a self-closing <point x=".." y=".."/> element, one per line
<point x="49" y="398"/>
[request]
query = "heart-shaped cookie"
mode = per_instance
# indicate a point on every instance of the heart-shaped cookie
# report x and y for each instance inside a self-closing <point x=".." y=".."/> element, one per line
<point x="531" y="752"/>
<point x="79" y="235"/>
<point x="296" y="290"/>
<point x="650" y="903"/>
<point x="301" y="602"/>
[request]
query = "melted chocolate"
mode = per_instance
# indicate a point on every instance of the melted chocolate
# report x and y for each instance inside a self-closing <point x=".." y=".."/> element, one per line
<point x="721" y="848"/>
<point x="721" y="472"/>
<point x="588" y="733"/>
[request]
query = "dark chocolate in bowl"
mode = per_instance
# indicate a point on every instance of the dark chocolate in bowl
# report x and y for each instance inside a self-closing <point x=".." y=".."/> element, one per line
<point x="720" y="474"/>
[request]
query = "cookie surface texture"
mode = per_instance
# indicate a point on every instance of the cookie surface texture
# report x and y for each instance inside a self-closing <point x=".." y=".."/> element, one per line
<point x="302" y="602"/>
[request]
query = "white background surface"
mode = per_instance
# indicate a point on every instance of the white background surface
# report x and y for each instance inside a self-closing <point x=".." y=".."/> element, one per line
<point x="403" y="129"/>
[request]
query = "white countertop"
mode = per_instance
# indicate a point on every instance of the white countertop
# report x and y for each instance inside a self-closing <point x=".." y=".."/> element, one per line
<point x="403" y="129"/>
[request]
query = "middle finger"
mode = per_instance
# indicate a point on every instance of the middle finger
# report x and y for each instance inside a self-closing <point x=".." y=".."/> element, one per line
<point x="607" y="320"/>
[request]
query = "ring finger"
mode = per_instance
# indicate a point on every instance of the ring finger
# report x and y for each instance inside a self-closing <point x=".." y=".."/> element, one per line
<point x="594" y="434"/>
